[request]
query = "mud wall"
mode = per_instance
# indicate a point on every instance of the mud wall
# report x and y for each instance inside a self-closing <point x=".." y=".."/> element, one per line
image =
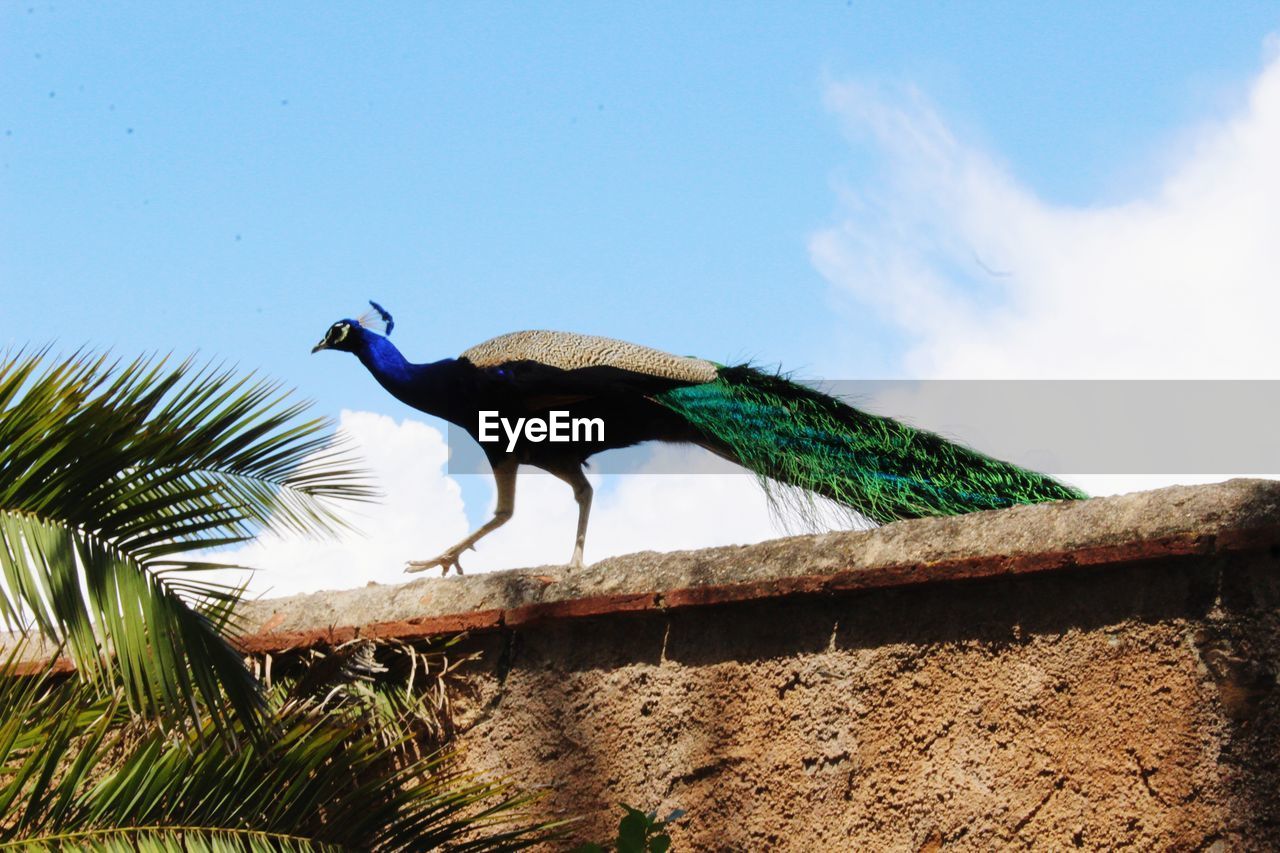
<point x="1091" y="675"/>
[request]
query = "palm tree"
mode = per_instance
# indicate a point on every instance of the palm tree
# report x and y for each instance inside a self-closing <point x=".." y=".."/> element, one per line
<point x="111" y="475"/>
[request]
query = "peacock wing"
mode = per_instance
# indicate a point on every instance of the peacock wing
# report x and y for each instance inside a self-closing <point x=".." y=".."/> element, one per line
<point x="571" y="352"/>
<point x="548" y="369"/>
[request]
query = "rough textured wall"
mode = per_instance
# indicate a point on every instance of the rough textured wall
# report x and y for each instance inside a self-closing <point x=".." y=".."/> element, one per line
<point x="1098" y="710"/>
<point x="1097" y="674"/>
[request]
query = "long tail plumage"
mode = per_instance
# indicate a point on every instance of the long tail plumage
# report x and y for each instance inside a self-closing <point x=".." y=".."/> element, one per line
<point x="880" y="468"/>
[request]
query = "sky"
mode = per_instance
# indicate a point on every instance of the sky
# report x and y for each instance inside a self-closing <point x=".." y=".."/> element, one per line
<point x="849" y="190"/>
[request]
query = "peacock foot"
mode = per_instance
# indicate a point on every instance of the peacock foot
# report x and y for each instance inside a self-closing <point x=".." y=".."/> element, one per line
<point x="446" y="561"/>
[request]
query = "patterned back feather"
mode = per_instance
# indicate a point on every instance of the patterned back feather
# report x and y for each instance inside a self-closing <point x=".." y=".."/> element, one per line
<point x="880" y="468"/>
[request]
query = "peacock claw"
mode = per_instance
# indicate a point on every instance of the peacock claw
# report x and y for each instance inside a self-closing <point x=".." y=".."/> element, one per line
<point x="445" y="561"/>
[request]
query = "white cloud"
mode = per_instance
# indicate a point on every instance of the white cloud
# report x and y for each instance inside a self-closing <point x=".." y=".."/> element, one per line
<point x="986" y="279"/>
<point x="422" y="513"/>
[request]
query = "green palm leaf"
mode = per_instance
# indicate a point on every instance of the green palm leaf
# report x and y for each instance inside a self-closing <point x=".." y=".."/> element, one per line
<point x="111" y="473"/>
<point x="72" y="777"/>
<point x="172" y="840"/>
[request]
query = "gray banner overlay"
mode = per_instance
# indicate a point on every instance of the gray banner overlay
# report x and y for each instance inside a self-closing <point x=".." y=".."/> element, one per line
<point x="1218" y="427"/>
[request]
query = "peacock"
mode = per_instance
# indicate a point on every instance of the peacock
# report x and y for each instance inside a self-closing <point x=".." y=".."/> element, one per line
<point x="787" y="433"/>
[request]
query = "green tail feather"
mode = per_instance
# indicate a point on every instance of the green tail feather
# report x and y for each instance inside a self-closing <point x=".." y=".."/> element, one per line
<point x="880" y="468"/>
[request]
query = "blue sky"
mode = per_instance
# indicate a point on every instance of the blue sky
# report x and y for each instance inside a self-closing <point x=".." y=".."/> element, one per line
<point x="648" y="171"/>
<point x="231" y="178"/>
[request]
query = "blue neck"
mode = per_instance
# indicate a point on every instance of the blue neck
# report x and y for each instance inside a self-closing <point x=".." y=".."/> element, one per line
<point x="384" y="361"/>
<point x="422" y="386"/>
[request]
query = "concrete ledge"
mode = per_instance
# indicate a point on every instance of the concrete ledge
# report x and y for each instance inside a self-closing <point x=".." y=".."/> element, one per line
<point x="1236" y="516"/>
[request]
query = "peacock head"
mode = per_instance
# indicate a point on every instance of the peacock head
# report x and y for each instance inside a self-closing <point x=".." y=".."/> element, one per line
<point x="346" y="335"/>
<point x="342" y="335"/>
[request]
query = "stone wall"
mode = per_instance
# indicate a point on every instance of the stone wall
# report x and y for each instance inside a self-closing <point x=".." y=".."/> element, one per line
<point x="1089" y="675"/>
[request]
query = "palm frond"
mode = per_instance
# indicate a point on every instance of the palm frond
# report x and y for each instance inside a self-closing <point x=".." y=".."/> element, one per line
<point x="72" y="778"/>
<point x="186" y="839"/>
<point x="110" y="472"/>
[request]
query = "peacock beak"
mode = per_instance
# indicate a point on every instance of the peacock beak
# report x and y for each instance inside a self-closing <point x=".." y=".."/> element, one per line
<point x="322" y="345"/>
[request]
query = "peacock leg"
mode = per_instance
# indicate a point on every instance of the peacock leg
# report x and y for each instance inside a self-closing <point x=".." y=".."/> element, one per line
<point x="582" y="493"/>
<point x="504" y="477"/>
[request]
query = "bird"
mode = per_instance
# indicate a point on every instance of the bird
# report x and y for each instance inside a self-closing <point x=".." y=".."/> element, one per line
<point x="790" y="434"/>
